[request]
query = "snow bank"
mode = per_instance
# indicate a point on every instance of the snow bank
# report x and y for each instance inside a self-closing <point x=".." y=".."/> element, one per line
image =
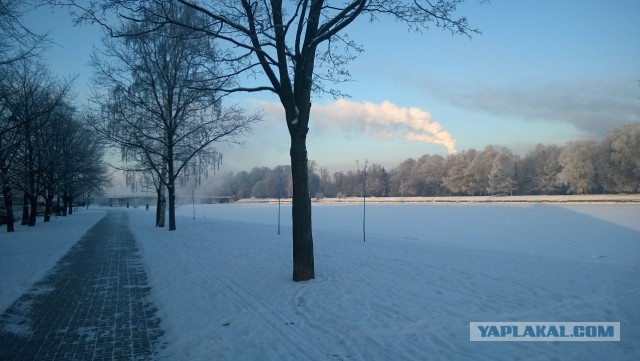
<point x="571" y="198"/>
<point x="223" y="289"/>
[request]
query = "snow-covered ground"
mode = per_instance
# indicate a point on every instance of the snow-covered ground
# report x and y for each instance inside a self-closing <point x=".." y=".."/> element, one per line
<point x="27" y="254"/>
<point x="222" y="282"/>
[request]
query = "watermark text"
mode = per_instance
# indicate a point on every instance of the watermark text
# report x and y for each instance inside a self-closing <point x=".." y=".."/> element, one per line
<point x="544" y="331"/>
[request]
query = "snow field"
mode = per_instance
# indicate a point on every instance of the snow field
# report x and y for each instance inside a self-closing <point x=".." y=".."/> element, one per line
<point x="223" y="289"/>
<point x="222" y="281"/>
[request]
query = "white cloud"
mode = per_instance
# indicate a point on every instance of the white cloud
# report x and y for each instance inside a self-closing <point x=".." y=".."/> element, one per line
<point x="385" y="120"/>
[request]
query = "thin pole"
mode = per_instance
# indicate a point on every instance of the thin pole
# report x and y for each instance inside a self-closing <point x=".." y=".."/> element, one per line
<point x="364" y="198"/>
<point x="364" y="202"/>
<point x="279" y="195"/>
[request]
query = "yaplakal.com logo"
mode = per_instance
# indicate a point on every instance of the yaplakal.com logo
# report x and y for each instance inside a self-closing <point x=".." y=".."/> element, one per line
<point x="544" y="331"/>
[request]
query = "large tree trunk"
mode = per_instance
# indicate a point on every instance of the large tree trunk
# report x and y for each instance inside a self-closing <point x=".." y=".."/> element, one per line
<point x="161" y="207"/>
<point x="303" y="264"/>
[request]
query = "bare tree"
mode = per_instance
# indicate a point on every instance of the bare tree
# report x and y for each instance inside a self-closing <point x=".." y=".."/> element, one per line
<point x="55" y="133"/>
<point x="157" y="100"/>
<point x="39" y="141"/>
<point x="83" y="170"/>
<point x="325" y="178"/>
<point x="9" y="144"/>
<point x="33" y="96"/>
<point x="17" y="42"/>
<point x="339" y="181"/>
<point x="299" y="48"/>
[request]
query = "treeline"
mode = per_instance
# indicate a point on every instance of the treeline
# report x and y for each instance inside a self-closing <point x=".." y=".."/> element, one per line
<point x="578" y="167"/>
<point x="48" y="156"/>
<point x="46" y="152"/>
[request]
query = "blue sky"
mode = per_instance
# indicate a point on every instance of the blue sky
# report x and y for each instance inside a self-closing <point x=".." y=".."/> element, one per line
<point x="542" y="71"/>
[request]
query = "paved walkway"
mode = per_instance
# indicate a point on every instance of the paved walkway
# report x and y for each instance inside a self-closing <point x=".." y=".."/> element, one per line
<point x="92" y="306"/>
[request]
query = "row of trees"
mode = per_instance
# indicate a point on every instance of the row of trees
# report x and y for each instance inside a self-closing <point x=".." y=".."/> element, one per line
<point x="157" y="97"/>
<point x="46" y="151"/>
<point x="582" y="166"/>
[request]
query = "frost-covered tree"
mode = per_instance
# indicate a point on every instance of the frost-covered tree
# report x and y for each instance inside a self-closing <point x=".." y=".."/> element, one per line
<point x="578" y="162"/>
<point x="621" y="159"/>
<point x="543" y="168"/>
<point x="403" y="181"/>
<point x="479" y="168"/>
<point x="241" y="186"/>
<point x="459" y="179"/>
<point x="431" y="169"/>
<point x="502" y="177"/>
<point x="377" y="181"/>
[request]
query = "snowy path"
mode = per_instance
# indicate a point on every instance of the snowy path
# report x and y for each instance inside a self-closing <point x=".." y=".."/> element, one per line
<point x="93" y="305"/>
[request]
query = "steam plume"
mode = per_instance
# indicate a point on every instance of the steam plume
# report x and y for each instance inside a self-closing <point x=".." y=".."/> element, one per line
<point x="384" y="120"/>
